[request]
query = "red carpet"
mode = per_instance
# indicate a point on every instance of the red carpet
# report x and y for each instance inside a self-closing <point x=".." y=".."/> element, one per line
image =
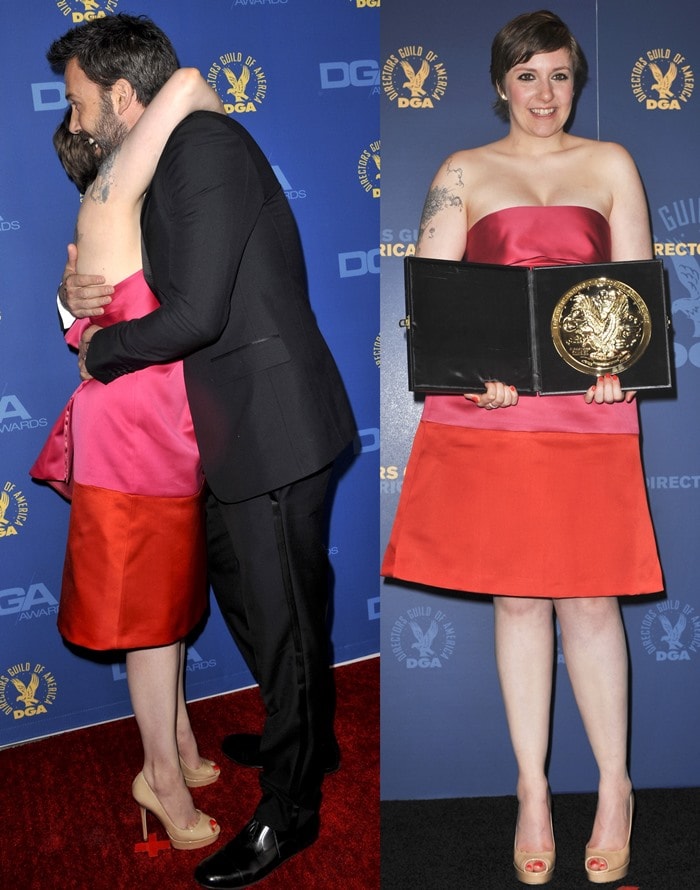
<point x="68" y="820"/>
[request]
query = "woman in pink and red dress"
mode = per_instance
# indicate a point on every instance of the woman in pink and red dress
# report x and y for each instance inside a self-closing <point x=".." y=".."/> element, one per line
<point x="548" y="491"/>
<point x="134" y="576"/>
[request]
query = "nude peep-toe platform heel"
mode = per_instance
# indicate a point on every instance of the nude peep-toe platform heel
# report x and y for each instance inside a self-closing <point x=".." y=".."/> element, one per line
<point x="205" y="832"/>
<point x="617" y="862"/>
<point x="543" y="861"/>
<point x="206" y="773"/>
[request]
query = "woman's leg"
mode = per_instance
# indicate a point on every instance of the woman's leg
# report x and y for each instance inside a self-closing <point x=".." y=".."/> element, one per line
<point x="186" y="742"/>
<point x="154" y="676"/>
<point x="525" y="659"/>
<point x="595" y="649"/>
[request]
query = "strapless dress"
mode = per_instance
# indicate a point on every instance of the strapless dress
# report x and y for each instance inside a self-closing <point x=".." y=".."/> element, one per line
<point x="125" y="455"/>
<point x="543" y="499"/>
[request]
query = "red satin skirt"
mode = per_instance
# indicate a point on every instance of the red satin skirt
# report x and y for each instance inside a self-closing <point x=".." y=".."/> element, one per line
<point x="135" y="569"/>
<point x="534" y="514"/>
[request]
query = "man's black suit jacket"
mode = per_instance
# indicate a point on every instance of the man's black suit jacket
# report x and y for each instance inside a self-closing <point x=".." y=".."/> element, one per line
<point x="226" y="264"/>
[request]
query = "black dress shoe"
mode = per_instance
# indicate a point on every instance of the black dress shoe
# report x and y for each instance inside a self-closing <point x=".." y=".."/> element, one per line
<point x="253" y="854"/>
<point x="244" y="749"/>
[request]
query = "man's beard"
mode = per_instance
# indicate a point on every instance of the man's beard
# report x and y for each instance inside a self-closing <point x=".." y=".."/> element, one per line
<point x="109" y="131"/>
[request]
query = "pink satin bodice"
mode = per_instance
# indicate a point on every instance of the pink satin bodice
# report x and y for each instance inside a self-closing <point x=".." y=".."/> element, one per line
<point x="134" y="435"/>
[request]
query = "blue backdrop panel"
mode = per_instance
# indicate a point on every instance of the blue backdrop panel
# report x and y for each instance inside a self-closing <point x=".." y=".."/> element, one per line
<point x="443" y="726"/>
<point x="314" y="108"/>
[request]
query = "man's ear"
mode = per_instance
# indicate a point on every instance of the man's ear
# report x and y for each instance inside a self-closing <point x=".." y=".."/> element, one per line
<point x="123" y="96"/>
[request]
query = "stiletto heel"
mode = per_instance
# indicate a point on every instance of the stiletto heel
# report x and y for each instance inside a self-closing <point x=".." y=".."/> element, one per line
<point x="617" y="862"/>
<point x="205" y="832"/>
<point x="144" y="827"/>
<point x="206" y="773"/>
<point x="522" y="858"/>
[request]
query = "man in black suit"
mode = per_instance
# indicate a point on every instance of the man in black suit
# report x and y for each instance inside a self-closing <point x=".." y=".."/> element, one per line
<point x="221" y="252"/>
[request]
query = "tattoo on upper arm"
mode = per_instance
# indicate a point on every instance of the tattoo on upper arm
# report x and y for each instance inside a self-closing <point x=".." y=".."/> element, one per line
<point x="439" y="198"/>
<point x="456" y="172"/>
<point x="104" y="179"/>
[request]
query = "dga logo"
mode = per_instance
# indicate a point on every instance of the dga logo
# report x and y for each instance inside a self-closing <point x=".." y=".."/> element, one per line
<point x="369" y="169"/>
<point x="662" y="80"/>
<point x="681" y="220"/>
<point x="423" y="638"/>
<point x="35" y="602"/>
<point x="86" y="10"/>
<point x="14" y="417"/>
<point x="26" y="690"/>
<point x="240" y="82"/>
<point x="366" y="4"/>
<point x="358" y="73"/>
<point x="671" y="631"/>
<point x="377" y="350"/>
<point x="13" y="510"/>
<point x="9" y="225"/>
<point x="414" y="78"/>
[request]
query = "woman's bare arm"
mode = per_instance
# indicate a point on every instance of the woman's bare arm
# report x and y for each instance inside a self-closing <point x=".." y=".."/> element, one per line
<point x="443" y="225"/>
<point x="127" y="172"/>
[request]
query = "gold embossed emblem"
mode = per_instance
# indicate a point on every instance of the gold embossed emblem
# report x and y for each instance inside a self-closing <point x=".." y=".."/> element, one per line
<point x="601" y="326"/>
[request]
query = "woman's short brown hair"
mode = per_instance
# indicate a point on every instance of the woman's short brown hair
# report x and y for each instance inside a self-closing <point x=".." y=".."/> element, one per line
<point x="75" y="154"/>
<point x="522" y="38"/>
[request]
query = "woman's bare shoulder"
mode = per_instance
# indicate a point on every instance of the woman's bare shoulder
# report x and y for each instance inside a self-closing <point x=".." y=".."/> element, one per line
<point x="603" y="152"/>
<point x="466" y="163"/>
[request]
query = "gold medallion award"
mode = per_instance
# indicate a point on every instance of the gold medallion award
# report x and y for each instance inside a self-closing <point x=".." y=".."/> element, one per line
<point x="601" y="326"/>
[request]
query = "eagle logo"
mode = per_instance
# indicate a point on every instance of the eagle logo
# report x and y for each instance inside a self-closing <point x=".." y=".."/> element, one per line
<point x="26" y="693"/>
<point x="663" y="81"/>
<point x="424" y="641"/>
<point x="673" y="632"/>
<point x="238" y="84"/>
<point x="415" y="80"/>
<point x="600" y="320"/>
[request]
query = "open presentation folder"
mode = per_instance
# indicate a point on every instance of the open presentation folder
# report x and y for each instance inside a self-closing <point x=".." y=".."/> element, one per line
<point x="542" y="329"/>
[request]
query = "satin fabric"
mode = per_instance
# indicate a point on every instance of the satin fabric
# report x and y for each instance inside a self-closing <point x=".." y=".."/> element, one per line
<point x="134" y="574"/>
<point x="134" y="435"/>
<point x="126" y="456"/>
<point x="544" y="499"/>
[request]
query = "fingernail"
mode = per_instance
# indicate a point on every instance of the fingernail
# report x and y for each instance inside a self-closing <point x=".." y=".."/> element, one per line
<point x="472" y="398"/>
<point x="512" y="389"/>
<point x="600" y="380"/>
<point x="614" y="376"/>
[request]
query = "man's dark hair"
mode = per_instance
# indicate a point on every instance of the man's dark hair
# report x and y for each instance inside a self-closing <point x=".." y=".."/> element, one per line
<point x="525" y="36"/>
<point x="116" y="46"/>
<point x="75" y="154"/>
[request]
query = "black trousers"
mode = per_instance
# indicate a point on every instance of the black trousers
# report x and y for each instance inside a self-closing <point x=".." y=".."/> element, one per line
<point x="268" y="567"/>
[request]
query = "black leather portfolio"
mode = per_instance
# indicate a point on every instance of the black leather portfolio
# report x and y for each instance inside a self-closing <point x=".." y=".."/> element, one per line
<point x="546" y="329"/>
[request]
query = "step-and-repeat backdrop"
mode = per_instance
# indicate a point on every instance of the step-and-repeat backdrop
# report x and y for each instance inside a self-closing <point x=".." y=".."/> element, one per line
<point x="443" y="727"/>
<point x="312" y="102"/>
